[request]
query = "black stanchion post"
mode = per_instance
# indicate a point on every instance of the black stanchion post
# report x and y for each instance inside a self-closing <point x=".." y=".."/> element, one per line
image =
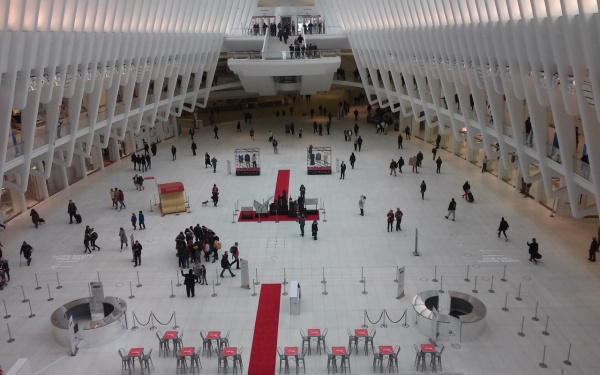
<point x="362" y="274"/>
<point x="233" y="218"/>
<point x="153" y="327"/>
<point x="10" y="338"/>
<point x="545" y="331"/>
<point x="284" y="292"/>
<point x="467" y="279"/>
<point x="58" y="281"/>
<point x="178" y="282"/>
<point x="416" y="252"/>
<point x="567" y="361"/>
<point x="30" y="310"/>
<point x="134" y="328"/>
<point x="139" y="285"/>
<point x="256" y="281"/>
<point x="49" y="295"/>
<point x="151" y="210"/>
<point x="172" y="293"/>
<point x="218" y="283"/>
<point x="175" y="317"/>
<point x="522" y="334"/>
<point x="491" y="290"/>
<point x="441" y="290"/>
<point x="435" y="280"/>
<point x="365" y="320"/>
<point x="383" y="325"/>
<point x="325" y="290"/>
<point x="475" y="290"/>
<point x="364" y="285"/>
<point x="535" y="318"/>
<point x="253" y="288"/>
<point x="6" y="311"/>
<point x="404" y="325"/>
<point x="518" y="298"/>
<point x="505" y="302"/>
<point x="38" y="287"/>
<point x="543" y="364"/>
<point x="131" y="296"/>
<point x="214" y="294"/>
<point x="284" y="278"/>
<point x="503" y="279"/>
<point x="324" y="281"/>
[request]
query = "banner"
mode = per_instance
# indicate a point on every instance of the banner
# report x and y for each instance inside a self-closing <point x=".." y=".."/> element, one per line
<point x="400" y="283"/>
<point x="245" y="275"/>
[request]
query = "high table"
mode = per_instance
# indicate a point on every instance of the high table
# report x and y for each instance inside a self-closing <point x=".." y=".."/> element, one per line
<point x="427" y="349"/>
<point x="136" y="353"/>
<point x="213" y="336"/>
<point x="187" y="351"/>
<point x="385" y="351"/>
<point x="290" y="351"/>
<point x="313" y="333"/>
<point x="229" y="352"/>
<point x="338" y="351"/>
<point x="170" y="336"/>
<point x="361" y="334"/>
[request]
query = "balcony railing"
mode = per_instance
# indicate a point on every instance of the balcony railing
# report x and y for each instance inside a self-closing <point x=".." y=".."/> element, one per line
<point x="284" y="55"/>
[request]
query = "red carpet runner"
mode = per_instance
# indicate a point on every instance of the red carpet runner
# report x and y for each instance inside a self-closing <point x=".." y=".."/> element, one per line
<point x="283" y="183"/>
<point x="264" y="343"/>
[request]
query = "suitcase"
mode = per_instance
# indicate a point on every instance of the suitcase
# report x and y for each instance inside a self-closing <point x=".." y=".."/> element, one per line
<point x="538" y="256"/>
<point x="470" y="197"/>
<point x="78" y="218"/>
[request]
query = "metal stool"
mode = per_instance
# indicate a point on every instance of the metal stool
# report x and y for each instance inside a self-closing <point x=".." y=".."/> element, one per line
<point x="178" y="342"/>
<point x="352" y="341"/>
<point x="369" y="340"/>
<point x="377" y="360"/>
<point x="436" y="358"/>
<point x="195" y="362"/>
<point x="282" y="358"/>
<point x="125" y="361"/>
<point x="237" y="361"/>
<point x="206" y="343"/>
<point x="147" y="361"/>
<point x="305" y="339"/>
<point x="222" y="361"/>
<point x="393" y="360"/>
<point x="224" y="341"/>
<point x="321" y="339"/>
<point x="181" y="363"/>
<point x="419" y="358"/>
<point x="163" y="345"/>
<point x="345" y="365"/>
<point x="331" y="363"/>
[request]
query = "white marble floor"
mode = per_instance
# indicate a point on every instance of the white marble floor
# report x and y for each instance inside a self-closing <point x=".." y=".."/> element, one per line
<point x="563" y="282"/>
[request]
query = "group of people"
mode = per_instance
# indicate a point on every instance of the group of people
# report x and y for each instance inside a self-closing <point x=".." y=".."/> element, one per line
<point x="118" y="197"/>
<point x="142" y="162"/>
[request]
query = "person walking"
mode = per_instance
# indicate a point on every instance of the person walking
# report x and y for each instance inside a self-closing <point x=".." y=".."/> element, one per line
<point x="86" y="243"/>
<point x="314" y="229"/>
<point x="235" y="253"/>
<point x="121" y="200"/>
<point x="35" y="218"/>
<point x="149" y="161"/>
<point x="420" y="159"/>
<point x="423" y="188"/>
<point x="534" y="251"/>
<point x="214" y="164"/>
<point x="361" y="205"/>
<point x="400" y="139"/>
<point x="72" y="211"/>
<point x="26" y="251"/>
<point x="407" y="132"/>
<point x="141" y="220"/>
<point x="356" y="125"/>
<point x="393" y="166"/>
<point x="355" y="115"/>
<point x="302" y="222"/>
<point x="190" y="282"/>
<point x="238" y="127"/>
<point x="434" y="152"/>
<point x="390" y="221"/>
<point x="275" y="143"/>
<point x="593" y="250"/>
<point x="400" y="164"/>
<point x="502" y="228"/>
<point x="352" y="160"/>
<point x="215" y="194"/>
<point x="398" y="216"/>
<point x="466" y="189"/>
<point x="134" y="221"/>
<point x="137" y="253"/>
<point x="484" y="164"/>
<point x="359" y="141"/>
<point x="207" y="163"/>
<point x="216" y="131"/>
<point x="225" y="265"/>
<point x="438" y="163"/>
<point x="342" y="171"/>
<point x="194" y="148"/>
<point x="191" y="133"/>
<point x="123" y="238"/>
<point x="93" y="239"/>
<point x="174" y="152"/>
<point x="451" y="209"/>
<point x="153" y="148"/>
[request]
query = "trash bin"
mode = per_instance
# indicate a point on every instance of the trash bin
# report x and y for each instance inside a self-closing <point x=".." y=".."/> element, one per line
<point x="295" y="295"/>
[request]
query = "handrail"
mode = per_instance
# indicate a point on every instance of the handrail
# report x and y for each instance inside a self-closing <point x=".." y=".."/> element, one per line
<point x="283" y="54"/>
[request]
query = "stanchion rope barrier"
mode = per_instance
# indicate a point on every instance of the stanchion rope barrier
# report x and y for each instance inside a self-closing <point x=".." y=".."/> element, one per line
<point x="137" y="320"/>
<point x="162" y="324"/>
<point x="369" y="319"/>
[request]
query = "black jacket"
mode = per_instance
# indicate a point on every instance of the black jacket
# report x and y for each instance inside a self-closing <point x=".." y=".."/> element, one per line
<point x="190" y="278"/>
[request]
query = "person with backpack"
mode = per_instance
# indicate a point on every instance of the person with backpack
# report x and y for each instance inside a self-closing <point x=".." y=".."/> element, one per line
<point x="140" y="182"/>
<point x="137" y="253"/>
<point x="275" y="143"/>
<point x="235" y="252"/>
<point x="398" y="216"/>
<point x="502" y="228"/>
<point x="393" y="166"/>
<point x="93" y="238"/>
<point x="134" y="221"/>
<point x="207" y="163"/>
<point x="400" y="164"/>
<point x="225" y="265"/>
<point x="26" y="251"/>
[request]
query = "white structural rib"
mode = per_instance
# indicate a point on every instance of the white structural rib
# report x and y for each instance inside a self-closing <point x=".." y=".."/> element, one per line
<point x="517" y="58"/>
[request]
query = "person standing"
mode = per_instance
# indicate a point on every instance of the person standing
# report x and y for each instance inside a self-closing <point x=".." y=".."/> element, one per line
<point x="202" y="275"/>
<point x="390" y="220"/>
<point x="359" y="141"/>
<point x="302" y="222"/>
<point x="451" y="209"/>
<point x="423" y="188"/>
<point x="194" y="148"/>
<point x="534" y="251"/>
<point x="134" y="221"/>
<point x="123" y="238"/>
<point x="153" y="148"/>
<point x="361" y="205"/>
<point x="26" y="251"/>
<point x="355" y="117"/>
<point x="328" y="127"/>
<point x="420" y="159"/>
<point x="216" y="131"/>
<point x="141" y="220"/>
<point x="189" y="282"/>
<point x="314" y="229"/>
<point x="438" y="164"/>
<point x="300" y="132"/>
<point x="434" y="152"/>
<point x="398" y="216"/>
<point x="174" y="152"/>
<point x="225" y="265"/>
<point x="137" y="253"/>
<point x="275" y="143"/>
<point x="593" y="250"/>
<point x="356" y="126"/>
<point x="484" y="164"/>
<point x="400" y="141"/>
<point x="235" y="252"/>
<point x="238" y="127"/>
<point x="342" y="171"/>
<point x="207" y="163"/>
<point x="407" y="132"/>
<point x="393" y="166"/>
<point x="214" y="164"/>
<point x="192" y="132"/>
<point x="502" y="228"/>
<point x="414" y="162"/>
<point x="352" y="160"/>
<point x="148" y="161"/>
<point x="71" y="210"/>
<point x="400" y="164"/>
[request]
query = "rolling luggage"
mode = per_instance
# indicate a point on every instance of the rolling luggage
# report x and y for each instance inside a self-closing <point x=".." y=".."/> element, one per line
<point x="78" y="218"/>
<point x="470" y="198"/>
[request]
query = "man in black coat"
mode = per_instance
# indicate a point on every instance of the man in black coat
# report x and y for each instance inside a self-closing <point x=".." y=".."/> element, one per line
<point x="342" y="171"/>
<point x="26" y="250"/>
<point x="315" y="229"/>
<point x="225" y="265"/>
<point x="533" y="251"/>
<point x="71" y="210"/>
<point x="502" y="228"/>
<point x="593" y="250"/>
<point x="137" y="253"/>
<point x="190" y="282"/>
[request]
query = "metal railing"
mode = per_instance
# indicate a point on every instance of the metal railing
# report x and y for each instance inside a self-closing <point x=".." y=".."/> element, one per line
<point x="284" y="55"/>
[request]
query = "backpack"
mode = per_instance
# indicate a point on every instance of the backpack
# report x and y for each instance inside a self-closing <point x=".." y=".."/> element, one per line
<point x="275" y="143"/>
<point x="94" y="236"/>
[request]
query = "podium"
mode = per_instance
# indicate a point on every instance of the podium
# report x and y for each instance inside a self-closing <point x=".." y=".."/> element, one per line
<point x="295" y="295"/>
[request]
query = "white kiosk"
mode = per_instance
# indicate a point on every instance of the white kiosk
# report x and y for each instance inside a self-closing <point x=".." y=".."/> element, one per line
<point x="295" y="295"/>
